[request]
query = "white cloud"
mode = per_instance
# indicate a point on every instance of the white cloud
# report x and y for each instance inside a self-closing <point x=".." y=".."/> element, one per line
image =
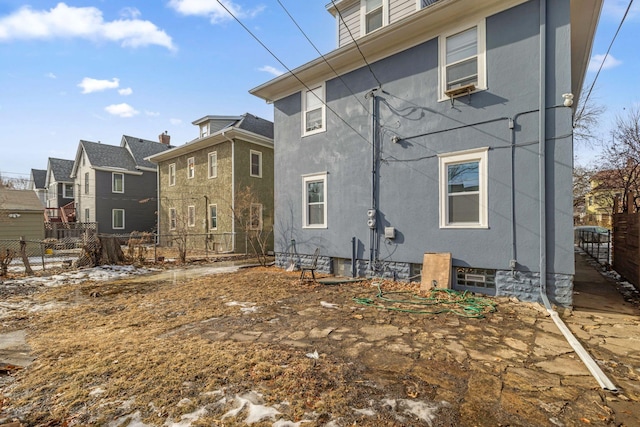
<point x="616" y="9"/>
<point x="212" y="9"/>
<point x="151" y="113"/>
<point x="130" y="12"/>
<point x="90" y="85"/>
<point x="121" y="110"/>
<point x="271" y="70"/>
<point x="175" y="122"/>
<point x="65" y="21"/>
<point x="52" y="76"/>
<point x="610" y="62"/>
<point x="125" y="92"/>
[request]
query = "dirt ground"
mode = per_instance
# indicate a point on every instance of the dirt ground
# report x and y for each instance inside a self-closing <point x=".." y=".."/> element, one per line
<point x="257" y="347"/>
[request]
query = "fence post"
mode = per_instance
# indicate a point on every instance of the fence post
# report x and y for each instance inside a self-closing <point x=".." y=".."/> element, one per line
<point x="25" y="258"/>
<point x="42" y="254"/>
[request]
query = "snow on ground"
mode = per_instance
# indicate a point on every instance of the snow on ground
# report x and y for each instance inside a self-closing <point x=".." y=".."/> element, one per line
<point x="249" y="408"/>
<point x="74" y="277"/>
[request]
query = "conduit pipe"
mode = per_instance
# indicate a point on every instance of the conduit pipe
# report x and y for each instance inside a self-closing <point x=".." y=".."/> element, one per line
<point x="586" y="358"/>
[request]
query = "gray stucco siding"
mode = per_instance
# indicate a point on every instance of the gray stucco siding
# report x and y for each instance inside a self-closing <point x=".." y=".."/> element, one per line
<point x="409" y="188"/>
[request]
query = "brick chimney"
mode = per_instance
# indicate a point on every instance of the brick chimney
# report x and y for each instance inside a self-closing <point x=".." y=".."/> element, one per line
<point x="165" y="138"/>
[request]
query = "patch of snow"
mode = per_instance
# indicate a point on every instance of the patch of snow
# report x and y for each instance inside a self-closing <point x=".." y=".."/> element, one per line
<point x="313" y="355"/>
<point x="187" y="419"/>
<point x="367" y="412"/>
<point x="134" y="420"/>
<point x="257" y="412"/>
<point x="328" y="305"/>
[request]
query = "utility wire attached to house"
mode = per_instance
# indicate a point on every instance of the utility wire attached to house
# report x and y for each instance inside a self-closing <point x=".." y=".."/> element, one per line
<point x="292" y="73"/>
<point x="324" y="58"/>
<point x="584" y="103"/>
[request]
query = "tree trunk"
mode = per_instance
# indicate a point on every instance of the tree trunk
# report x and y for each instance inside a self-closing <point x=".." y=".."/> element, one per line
<point x="111" y="251"/>
<point x="25" y="258"/>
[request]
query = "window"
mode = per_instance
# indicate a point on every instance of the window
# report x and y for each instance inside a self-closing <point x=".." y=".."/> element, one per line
<point x="117" y="219"/>
<point x="256" y="164"/>
<point x="313" y="111"/>
<point x="475" y="278"/>
<point x="373" y="12"/>
<point x="191" y="216"/>
<point x="425" y="3"/>
<point x="204" y="130"/>
<point x="213" y="164"/>
<point x="213" y="217"/>
<point x="255" y="221"/>
<point x="173" y="219"/>
<point x="86" y="215"/>
<point x="117" y="183"/>
<point x="315" y="201"/>
<point x="462" y="60"/>
<point x="191" y="167"/>
<point x="463" y="189"/>
<point x="67" y="191"/>
<point x="86" y="182"/>
<point x="172" y="174"/>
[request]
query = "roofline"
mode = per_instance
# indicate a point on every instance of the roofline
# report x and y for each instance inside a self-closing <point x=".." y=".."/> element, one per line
<point x="422" y="26"/>
<point x="213" y="139"/>
<point x="116" y="170"/>
<point x="207" y="118"/>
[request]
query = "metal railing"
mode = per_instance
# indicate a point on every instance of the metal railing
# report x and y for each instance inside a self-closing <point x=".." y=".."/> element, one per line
<point x="598" y="245"/>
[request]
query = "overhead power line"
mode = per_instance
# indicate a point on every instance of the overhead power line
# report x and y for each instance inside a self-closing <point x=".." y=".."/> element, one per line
<point x="584" y="103"/>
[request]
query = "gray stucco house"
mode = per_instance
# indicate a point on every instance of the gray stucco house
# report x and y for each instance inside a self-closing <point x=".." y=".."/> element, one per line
<point x="116" y="186"/>
<point x="436" y="127"/>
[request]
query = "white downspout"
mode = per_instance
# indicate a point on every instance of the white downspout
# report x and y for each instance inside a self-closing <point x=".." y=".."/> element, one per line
<point x="233" y="191"/>
<point x="586" y="358"/>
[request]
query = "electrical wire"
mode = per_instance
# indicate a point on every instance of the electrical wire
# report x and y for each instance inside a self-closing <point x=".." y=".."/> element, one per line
<point x="356" y="43"/>
<point x="584" y="103"/>
<point x="291" y="72"/>
<point x="323" y="57"/>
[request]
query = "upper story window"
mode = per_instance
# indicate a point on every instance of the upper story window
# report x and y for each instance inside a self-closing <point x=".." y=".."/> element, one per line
<point x="172" y="174"/>
<point x="313" y="109"/>
<point x="213" y="164"/>
<point x="462" y="61"/>
<point x="117" y="183"/>
<point x="374" y="13"/>
<point x="67" y="191"/>
<point x="463" y="189"/>
<point x="256" y="164"/>
<point x="425" y="3"/>
<point x="314" y="201"/>
<point x="86" y="182"/>
<point x="191" y="167"/>
<point x="204" y="130"/>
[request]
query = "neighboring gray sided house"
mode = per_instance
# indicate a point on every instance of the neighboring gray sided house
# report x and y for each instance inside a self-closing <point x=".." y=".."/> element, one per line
<point x="37" y="183"/>
<point x="456" y="138"/>
<point x="59" y="183"/>
<point x="115" y="186"/>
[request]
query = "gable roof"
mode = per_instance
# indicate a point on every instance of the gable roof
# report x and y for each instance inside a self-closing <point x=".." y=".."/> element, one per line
<point x="142" y="148"/>
<point x="60" y="169"/>
<point x="19" y="200"/>
<point x="108" y="156"/>
<point x="247" y="127"/>
<point x="39" y="178"/>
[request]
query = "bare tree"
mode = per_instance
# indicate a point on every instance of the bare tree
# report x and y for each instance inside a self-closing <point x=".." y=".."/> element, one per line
<point x="621" y="160"/>
<point x="250" y="216"/>
<point x="15" y="183"/>
<point x="586" y="121"/>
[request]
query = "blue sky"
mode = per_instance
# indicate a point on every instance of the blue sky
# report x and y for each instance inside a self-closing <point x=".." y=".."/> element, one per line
<point x="98" y="69"/>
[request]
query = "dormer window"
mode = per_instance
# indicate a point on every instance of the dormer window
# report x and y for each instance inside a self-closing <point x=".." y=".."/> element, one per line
<point x="204" y="130"/>
<point x="373" y="15"/>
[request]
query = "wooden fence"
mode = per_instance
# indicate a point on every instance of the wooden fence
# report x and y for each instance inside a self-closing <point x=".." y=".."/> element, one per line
<point x="626" y="243"/>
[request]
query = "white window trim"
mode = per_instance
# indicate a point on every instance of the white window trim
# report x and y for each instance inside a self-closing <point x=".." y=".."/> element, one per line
<point x="172" y="174"/>
<point x="482" y="55"/>
<point x="259" y="153"/>
<point x="212" y="155"/>
<point x="363" y="17"/>
<point x="113" y="222"/>
<point x="323" y="109"/>
<point x="477" y="154"/>
<point x="65" y="193"/>
<point x="173" y="213"/>
<point x="113" y="182"/>
<point x="210" y="225"/>
<point x="190" y="217"/>
<point x="191" y="161"/>
<point x="305" y="217"/>
<point x="259" y="206"/>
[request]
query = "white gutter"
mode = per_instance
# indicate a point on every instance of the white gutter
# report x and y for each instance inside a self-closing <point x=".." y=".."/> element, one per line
<point x="586" y="358"/>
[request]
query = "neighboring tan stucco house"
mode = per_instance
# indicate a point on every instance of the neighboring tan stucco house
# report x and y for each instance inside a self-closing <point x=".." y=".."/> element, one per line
<point x="436" y="127"/>
<point x="203" y="182"/>
<point x="115" y="186"/>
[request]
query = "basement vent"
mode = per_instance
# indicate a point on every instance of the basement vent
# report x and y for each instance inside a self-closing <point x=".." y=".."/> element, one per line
<point x="475" y="277"/>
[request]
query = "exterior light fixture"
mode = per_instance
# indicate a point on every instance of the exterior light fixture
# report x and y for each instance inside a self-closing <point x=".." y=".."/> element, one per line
<point x="14" y="215"/>
<point x="568" y="99"/>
